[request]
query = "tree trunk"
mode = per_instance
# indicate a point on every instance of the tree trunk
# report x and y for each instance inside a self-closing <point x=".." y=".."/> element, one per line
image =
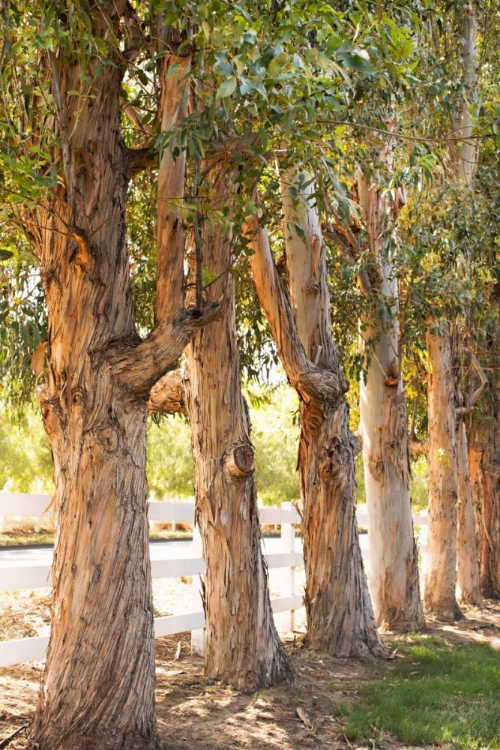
<point x="464" y="162"/>
<point x="467" y="552"/>
<point x="242" y="646"/>
<point x="339" y="613"/>
<point x="98" y="684"/>
<point x="490" y="497"/>
<point x="439" y="598"/>
<point x="394" y="576"/>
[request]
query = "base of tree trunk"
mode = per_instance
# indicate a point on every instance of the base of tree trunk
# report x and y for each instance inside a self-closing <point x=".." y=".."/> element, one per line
<point x="98" y="742"/>
<point x="449" y="613"/>
<point x="470" y="601"/>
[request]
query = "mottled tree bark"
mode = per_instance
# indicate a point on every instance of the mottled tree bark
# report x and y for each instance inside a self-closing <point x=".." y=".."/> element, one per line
<point x="467" y="548"/>
<point x="98" y="684"/>
<point x="485" y="476"/>
<point x="464" y="157"/>
<point x="394" y="576"/>
<point x="439" y="597"/>
<point x="242" y="646"/>
<point x="339" y="612"/>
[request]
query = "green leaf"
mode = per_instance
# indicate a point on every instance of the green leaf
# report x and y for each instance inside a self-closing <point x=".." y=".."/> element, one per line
<point x="358" y="60"/>
<point x="5" y="254"/>
<point x="206" y="29"/>
<point x="226" y="88"/>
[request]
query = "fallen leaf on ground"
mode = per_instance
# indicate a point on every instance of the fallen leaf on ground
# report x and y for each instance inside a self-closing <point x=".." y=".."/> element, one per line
<point x="304" y="717"/>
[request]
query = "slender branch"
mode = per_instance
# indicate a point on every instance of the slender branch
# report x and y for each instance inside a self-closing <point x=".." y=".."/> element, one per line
<point x="61" y="115"/>
<point x="415" y="445"/>
<point x="462" y="411"/>
<point x="170" y="235"/>
<point x="5" y="742"/>
<point x="482" y="377"/>
<point x="198" y="241"/>
<point x="345" y="241"/>
<point x="135" y="117"/>
<point x="406" y="137"/>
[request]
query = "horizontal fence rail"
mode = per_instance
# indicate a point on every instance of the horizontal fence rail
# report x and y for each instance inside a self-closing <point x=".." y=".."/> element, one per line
<point x="33" y="576"/>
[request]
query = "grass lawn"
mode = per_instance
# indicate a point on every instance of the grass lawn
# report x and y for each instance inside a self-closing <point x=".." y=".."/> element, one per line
<point x="437" y="694"/>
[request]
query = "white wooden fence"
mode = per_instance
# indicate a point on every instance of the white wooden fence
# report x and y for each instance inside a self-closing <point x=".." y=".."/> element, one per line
<point x="15" y="577"/>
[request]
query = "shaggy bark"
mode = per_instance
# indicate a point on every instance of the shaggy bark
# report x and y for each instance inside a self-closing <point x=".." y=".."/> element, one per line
<point x="242" y="646"/>
<point x="394" y="576"/>
<point x="98" y="684"/>
<point x="467" y="550"/>
<point x="485" y="477"/>
<point x="439" y="598"/>
<point x="464" y="160"/>
<point x="339" y="612"/>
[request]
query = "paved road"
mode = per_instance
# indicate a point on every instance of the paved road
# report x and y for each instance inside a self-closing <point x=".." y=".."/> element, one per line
<point x="158" y="550"/>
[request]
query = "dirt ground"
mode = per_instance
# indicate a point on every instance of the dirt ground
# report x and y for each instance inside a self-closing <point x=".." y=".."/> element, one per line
<point x="198" y="714"/>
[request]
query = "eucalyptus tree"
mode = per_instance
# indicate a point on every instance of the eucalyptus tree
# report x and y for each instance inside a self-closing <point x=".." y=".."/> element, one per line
<point x="449" y="479"/>
<point x="339" y="612"/>
<point x="394" y="579"/>
<point x="368" y="244"/>
<point x="65" y="171"/>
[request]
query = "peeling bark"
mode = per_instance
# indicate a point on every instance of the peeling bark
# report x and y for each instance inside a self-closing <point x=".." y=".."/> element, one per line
<point x="485" y="477"/>
<point x="439" y="598"/>
<point x="465" y="160"/>
<point x="98" y="684"/>
<point x="242" y="646"/>
<point x="339" y="612"/>
<point x="394" y="577"/>
<point x="467" y="551"/>
<point x="167" y="395"/>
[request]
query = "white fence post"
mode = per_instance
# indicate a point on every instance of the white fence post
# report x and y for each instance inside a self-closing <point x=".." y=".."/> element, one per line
<point x="288" y="574"/>
<point x="197" y="636"/>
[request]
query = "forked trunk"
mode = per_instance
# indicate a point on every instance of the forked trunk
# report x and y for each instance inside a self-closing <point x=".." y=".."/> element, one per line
<point x="467" y="550"/>
<point x="98" y="684"/>
<point x="439" y="597"/>
<point x="394" y="576"/>
<point x="242" y="646"/>
<point x="339" y="613"/>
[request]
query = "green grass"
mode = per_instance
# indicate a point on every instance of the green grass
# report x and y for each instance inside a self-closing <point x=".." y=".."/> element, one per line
<point x="440" y="694"/>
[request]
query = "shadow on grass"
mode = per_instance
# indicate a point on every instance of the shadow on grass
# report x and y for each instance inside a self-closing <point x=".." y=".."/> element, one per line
<point x="437" y="693"/>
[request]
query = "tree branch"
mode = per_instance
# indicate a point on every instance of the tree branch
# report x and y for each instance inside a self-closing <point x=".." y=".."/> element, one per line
<point x="170" y="235"/>
<point x="414" y="444"/>
<point x="61" y="116"/>
<point x="345" y="241"/>
<point x="309" y="380"/>
<point x="167" y="395"/>
<point x="140" y="159"/>
<point x="139" y="367"/>
<point x="482" y="377"/>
